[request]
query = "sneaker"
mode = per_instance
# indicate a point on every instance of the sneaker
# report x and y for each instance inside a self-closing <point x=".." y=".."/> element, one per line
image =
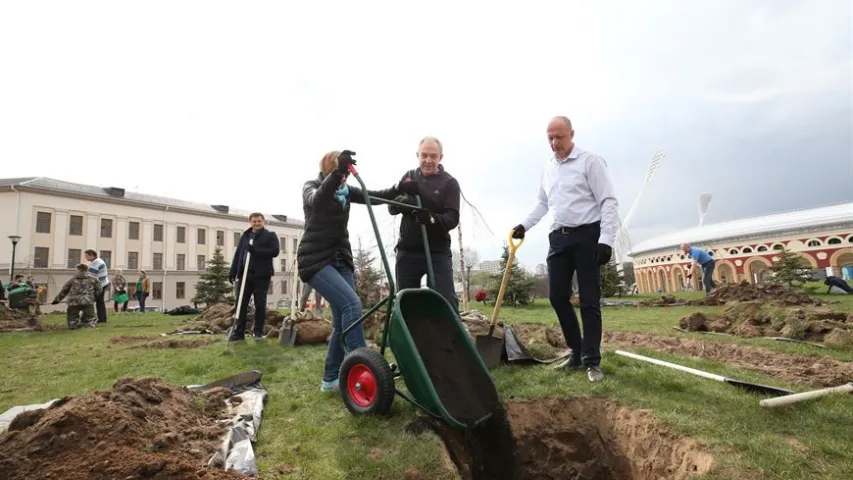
<point x="571" y="364"/>
<point x="594" y="374"/>
<point x="258" y="338"/>
<point x="333" y="386"/>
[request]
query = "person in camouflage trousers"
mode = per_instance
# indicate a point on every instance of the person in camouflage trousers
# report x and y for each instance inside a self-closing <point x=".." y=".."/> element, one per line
<point x="81" y="291"/>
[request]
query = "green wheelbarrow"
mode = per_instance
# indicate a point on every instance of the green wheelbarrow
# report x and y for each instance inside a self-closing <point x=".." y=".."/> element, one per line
<point x="437" y="361"/>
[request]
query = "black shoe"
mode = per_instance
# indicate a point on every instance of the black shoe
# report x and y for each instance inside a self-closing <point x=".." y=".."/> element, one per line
<point x="570" y="364"/>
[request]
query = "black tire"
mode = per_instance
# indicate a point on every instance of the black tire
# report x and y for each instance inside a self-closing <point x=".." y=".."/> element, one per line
<point x="369" y="366"/>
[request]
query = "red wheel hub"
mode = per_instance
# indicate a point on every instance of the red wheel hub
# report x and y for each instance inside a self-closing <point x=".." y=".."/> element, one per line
<point x="361" y="385"/>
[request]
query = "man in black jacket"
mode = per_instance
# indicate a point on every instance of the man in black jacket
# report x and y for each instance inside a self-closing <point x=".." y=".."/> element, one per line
<point x="264" y="248"/>
<point x="440" y="194"/>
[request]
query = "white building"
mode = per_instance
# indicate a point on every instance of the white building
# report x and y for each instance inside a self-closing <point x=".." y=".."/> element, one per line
<point x="171" y="239"/>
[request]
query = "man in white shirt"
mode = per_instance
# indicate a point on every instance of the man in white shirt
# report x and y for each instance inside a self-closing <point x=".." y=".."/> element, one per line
<point x="98" y="269"/>
<point x="574" y="185"/>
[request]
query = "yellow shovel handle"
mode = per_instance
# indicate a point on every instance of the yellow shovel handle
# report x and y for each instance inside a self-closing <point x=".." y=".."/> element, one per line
<point x="499" y="301"/>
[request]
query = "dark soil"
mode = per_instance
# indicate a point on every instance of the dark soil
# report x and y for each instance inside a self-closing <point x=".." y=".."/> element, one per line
<point x="591" y="439"/>
<point x="766" y="292"/>
<point x="177" y="344"/>
<point x="15" y="320"/>
<point x="141" y="428"/>
<point x="131" y="338"/>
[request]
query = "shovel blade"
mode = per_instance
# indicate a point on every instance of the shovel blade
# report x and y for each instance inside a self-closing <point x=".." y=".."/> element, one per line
<point x="287" y="337"/>
<point x="516" y="352"/>
<point x="490" y="349"/>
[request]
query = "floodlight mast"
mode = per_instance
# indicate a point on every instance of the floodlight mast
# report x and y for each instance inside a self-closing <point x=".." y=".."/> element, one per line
<point x="623" y="243"/>
<point x="704" y="201"/>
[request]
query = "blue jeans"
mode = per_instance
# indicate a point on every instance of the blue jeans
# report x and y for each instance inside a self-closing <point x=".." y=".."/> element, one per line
<point x="336" y="284"/>
<point x="708" y="276"/>
<point x="140" y="297"/>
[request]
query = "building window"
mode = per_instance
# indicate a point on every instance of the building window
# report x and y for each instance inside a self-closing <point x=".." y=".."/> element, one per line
<point x="269" y="289"/>
<point x="236" y="238"/>
<point x="201" y="232"/>
<point x="43" y="222"/>
<point x="75" y="225"/>
<point x="40" y="257"/>
<point x="746" y="250"/>
<point x="283" y="242"/>
<point x="284" y="287"/>
<point x="158" y="232"/>
<point x="133" y="230"/>
<point x="220" y="238"/>
<point x="200" y="262"/>
<point x="834" y="241"/>
<point x="814" y="243"/>
<point x="778" y="246"/>
<point x="73" y="257"/>
<point x="158" y="261"/>
<point x="131" y="289"/>
<point x="180" y="289"/>
<point x="295" y="244"/>
<point x="157" y="290"/>
<point x="761" y="248"/>
<point x="107" y="257"/>
<point x="133" y="260"/>
<point x="181" y="235"/>
<point x="733" y="251"/>
<point x="182" y="262"/>
<point x="106" y="228"/>
<point x="283" y="264"/>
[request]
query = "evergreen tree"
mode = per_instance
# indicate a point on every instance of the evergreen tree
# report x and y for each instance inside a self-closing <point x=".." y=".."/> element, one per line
<point x="213" y="287"/>
<point x="367" y="277"/>
<point x="519" y="289"/>
<point x="790" y="269"/>
<point x="610" y="279"/>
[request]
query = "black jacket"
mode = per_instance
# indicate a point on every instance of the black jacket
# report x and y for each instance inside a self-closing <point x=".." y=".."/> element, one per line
<point x="266" y="247"/>
<point x="440" y="196"/>
<point x="326" y="232"/>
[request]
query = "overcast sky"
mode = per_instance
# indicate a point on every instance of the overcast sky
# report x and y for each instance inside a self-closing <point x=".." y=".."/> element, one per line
<point x="235" y="102"/>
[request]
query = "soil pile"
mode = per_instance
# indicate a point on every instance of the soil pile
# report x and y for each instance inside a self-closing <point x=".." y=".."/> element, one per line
<point x="760" y="319"/>
<point x="776" y="293"/>
<point x="815" y="371"/>
<point x="588" y="438"/>
<point x="216" y="318"/>
<point x="310" y="328"/>
<point x="659" y="301"/>
<point x="141" y="428"/>
<point x="13" y="319"/>
<point x="132" y="338"/>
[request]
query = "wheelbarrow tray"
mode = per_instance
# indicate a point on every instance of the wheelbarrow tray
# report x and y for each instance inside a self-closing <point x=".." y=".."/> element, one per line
<point x="412" y="307"/>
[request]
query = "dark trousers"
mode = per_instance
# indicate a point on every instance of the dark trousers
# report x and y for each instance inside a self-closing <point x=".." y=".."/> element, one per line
<point x="73" y="315"/>
<point x="140" y="297"/>
<point x="256" y="287"/>
<point x="708" y="276"/>
<point x="570" y="252"/>
<point x="100" y="306"/>
<point x="412" y="266"/>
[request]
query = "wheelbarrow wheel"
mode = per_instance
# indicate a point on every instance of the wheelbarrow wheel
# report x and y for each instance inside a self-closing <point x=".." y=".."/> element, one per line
<point x="367" y="383"/>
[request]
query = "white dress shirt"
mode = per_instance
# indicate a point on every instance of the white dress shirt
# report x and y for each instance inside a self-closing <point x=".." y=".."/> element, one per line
<point x="578" y="190"/>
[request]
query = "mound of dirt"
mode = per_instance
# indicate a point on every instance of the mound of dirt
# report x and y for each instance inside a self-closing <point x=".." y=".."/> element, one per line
<point x="141" y="428"/>
<point x="132" y="338"/>
<point x="177" y="343"/>
<point x="776" y="293"/>
<point x="659" y="301"/>
<point x="814" y="371"/>
<point x="760" y="319"/>
<point x="13" y="319"/>
<point x="590" y="438"/>
<point x="311" y="328"/>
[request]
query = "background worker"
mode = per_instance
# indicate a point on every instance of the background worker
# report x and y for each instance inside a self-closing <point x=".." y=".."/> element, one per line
<point x="81" y="291"/>
<point x="439" y="193"/>
<point x="264" y="247"/>
<point x="98" y="269"/>
<point x="703" y="259"/>
<point x="574" y="184"/>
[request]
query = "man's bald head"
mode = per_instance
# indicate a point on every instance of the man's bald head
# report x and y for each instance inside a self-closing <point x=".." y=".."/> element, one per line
<point x="561" y="136"/>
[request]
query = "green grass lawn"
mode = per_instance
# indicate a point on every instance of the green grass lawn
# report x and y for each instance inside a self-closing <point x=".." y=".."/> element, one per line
<point x="309" y="434"/>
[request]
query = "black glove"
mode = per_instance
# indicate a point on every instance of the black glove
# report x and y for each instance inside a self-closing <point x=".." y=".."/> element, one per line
<point x="408" y="188"/>
<point x="604" y="253"/>
<point x="344" y="161"/>
<point x="394" y="209"/>
<point x="250" y="247"/>
<point x="231" y="280"/>
<point x="518" y="231"/>
<point x="423" y="217"/>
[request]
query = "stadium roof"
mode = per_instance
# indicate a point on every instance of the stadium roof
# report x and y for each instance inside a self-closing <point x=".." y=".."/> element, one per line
<point x="119" y="194"/>
<point x="777" y="222"/>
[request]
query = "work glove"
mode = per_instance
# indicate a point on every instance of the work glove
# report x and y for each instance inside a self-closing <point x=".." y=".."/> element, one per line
<point x="231" y="280"/>
<point x="344" y="161"/>
<point x="394" y="209"/>
<point x="408" y="188"/>
<point x="604" y="253"/>
<point x="518" y="231"/>
<point x="250" y="247"/>
<point x="423" y="217"/>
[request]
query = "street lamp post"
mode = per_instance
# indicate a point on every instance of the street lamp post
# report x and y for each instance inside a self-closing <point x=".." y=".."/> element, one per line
<point x="15" y="239"/>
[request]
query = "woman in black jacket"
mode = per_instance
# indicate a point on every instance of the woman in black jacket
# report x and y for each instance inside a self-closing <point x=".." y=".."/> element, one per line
<point x="324" y="256"/>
